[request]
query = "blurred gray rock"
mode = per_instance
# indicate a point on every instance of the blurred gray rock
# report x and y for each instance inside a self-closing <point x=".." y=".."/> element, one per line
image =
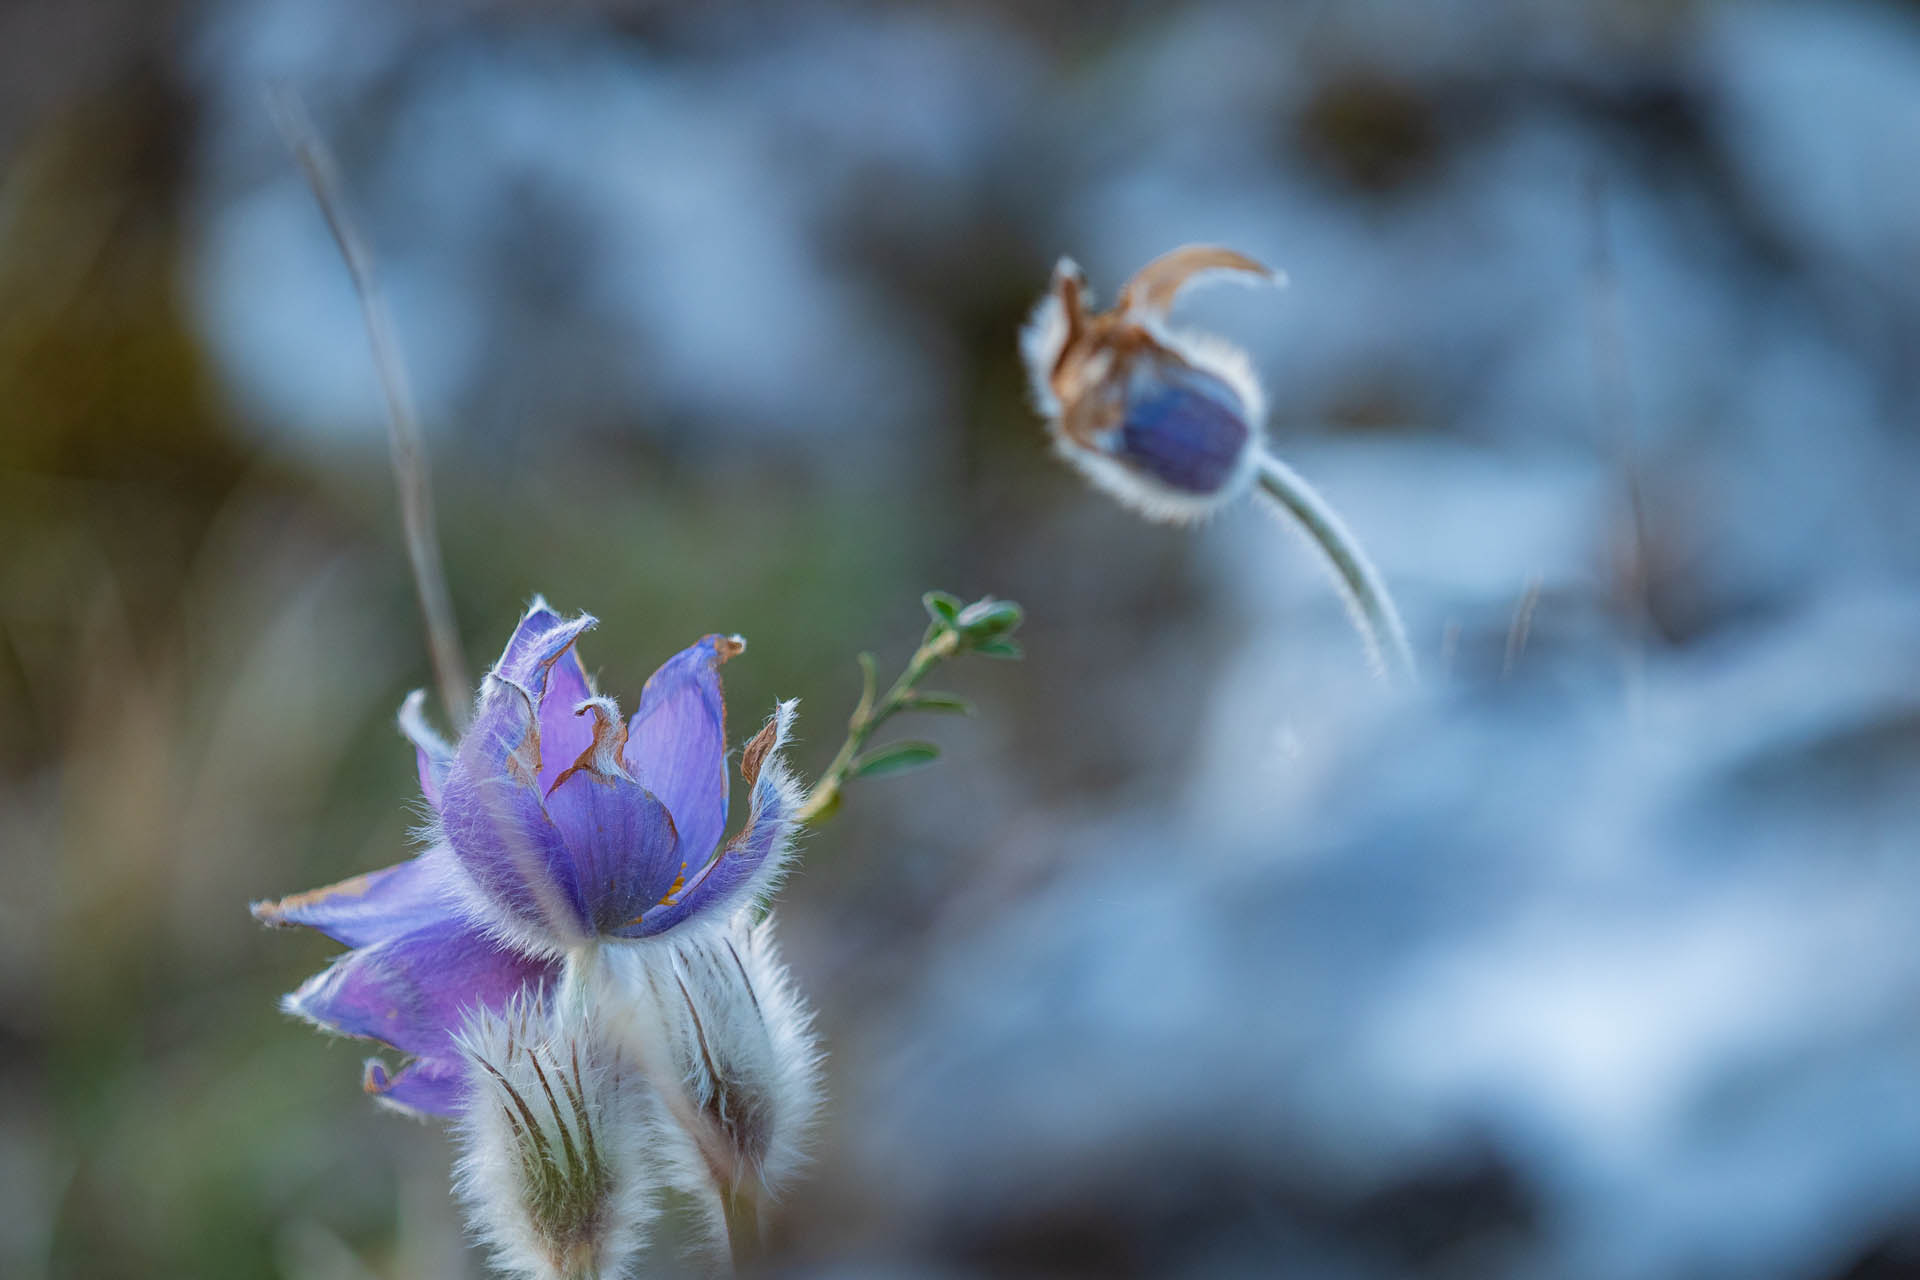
<point x="1534" y="984"/>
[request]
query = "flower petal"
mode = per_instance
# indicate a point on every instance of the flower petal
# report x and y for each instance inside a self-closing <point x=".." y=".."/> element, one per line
<point x="432" y="753"/>
<point x="372" y="907"/>
<point x="540" y="640"/>
<point x="1155" y="286"/>
<point x="751" y="861"/>
<point x="677" y="742"/>
<point x="494" y="820"/>
<point x="624" y="846"/>
<point x="411" y="991"/>
<point x="563" y="735"/>
<point x="1184" y="427"/>
<point x="426" y="1086"/>
<point x="564" y="732"/>
<point x="490" y="805"/>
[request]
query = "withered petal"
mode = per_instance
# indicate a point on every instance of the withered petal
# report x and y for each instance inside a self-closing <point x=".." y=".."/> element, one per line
<point x="1155" y="286"/>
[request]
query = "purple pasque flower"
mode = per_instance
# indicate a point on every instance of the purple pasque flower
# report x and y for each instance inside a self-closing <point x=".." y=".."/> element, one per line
<point x="556" y="824"/>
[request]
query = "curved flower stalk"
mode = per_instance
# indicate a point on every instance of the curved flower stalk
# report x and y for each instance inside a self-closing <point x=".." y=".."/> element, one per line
<point x="557" y="826"/>
<point x="557" y="1169"/>
<point x="1169" y="421"/>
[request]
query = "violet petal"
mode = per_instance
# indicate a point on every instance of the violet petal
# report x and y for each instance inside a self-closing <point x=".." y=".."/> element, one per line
<point x="677" y="742"/>
<point x="750" y="860"/>
<point x="499" y="830"/>
<point x="491" y="807"/>
<point x="432" y="753"/>
<point x="413" y="991"/>
<point x="1183" y="426"/>
<point x="426" y="1086"/>
<point x="373" y="907"/>
<point x="540" y="640"/>
<point x="625" y="849"/>
<point x="564" y="733"/>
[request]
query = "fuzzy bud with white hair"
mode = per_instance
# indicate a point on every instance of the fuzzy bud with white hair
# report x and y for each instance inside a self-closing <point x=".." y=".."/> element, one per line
<point x="556" y="1170"/>
<point x="730" y="1047"/>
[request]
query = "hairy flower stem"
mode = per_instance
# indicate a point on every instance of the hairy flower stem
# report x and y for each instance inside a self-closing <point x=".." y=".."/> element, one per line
<point x="869" y="715"/>
<point x="743" y="1230"/>
<point x="403" y="422"/>
<point x="1374" y="614"/>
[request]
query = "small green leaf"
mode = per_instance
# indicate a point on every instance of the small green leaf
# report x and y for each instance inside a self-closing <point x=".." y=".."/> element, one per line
<point x="941" y="607"/>
<point x="895" y="757"/>
<point x="1001" y="648"/>
<point x="940" y="702"/>
<point x="987" y="617"/>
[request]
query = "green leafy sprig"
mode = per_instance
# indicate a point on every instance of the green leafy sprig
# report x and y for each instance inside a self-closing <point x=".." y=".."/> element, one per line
<point x="984" y="627"/>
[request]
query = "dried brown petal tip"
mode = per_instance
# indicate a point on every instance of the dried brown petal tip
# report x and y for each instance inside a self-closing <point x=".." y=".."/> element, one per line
<point x="1155" y="286"/>
<point x="275" y="911"/>
<point x="755" y="754"/>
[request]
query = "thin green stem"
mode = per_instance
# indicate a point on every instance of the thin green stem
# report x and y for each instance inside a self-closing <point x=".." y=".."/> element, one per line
<point x="870" y="715"/>
<point x="1374" y="614"/>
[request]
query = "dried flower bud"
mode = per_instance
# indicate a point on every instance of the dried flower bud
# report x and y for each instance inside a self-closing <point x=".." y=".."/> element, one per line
<point x="556" y="1169"/>
<point x="1168" y="422"/>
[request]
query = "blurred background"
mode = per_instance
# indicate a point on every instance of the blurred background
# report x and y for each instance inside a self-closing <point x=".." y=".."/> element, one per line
<point x="1194" y="956"/>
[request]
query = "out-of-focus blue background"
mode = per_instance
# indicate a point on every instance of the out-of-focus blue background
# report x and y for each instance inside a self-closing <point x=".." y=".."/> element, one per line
<point x="1194" y="956"/>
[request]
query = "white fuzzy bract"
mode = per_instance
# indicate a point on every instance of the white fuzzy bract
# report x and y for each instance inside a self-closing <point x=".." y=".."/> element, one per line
<point x="730" y="1047"/>
<point x="555" y="1169"/>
